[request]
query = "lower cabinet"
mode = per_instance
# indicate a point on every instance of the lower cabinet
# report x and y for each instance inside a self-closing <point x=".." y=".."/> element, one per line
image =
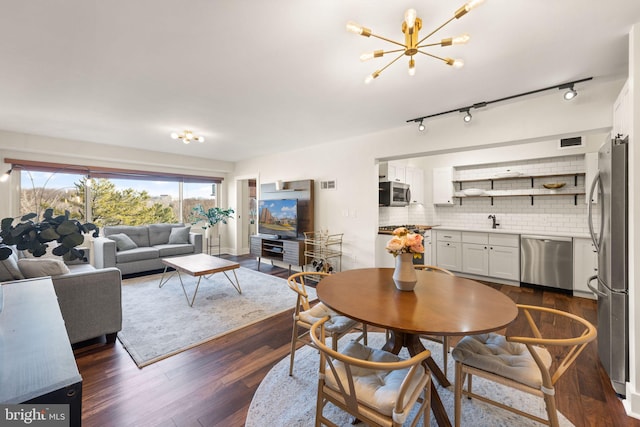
<point x="483" y="254"/>
<point x="448" y="250"/>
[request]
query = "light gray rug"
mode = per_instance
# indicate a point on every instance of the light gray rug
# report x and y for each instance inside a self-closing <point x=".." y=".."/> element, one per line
<point x="158" y="322"/>
<point x="281" y="400"/>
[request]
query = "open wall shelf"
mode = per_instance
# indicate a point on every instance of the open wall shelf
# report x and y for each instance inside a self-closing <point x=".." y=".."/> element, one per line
<point x="523" y="192"/>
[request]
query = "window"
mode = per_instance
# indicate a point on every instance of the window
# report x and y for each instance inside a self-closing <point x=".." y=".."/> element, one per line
<point x="112" y="196"/>
<point x="134" y="201"/>
<point x="60" y="191"/>
<point x="197" y="194"/>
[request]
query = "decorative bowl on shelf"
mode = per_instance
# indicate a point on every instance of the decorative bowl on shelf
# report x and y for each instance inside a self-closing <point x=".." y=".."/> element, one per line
<point x="554" y="185"/>
<point x="473" y="192"/>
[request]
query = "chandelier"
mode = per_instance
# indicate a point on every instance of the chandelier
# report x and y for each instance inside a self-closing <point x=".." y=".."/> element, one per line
<point x="412" y="45"/>
<point x="187" y="136"/>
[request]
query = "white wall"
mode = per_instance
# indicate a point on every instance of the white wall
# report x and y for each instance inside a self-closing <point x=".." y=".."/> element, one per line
<point x="45" y="149"/>
<point x="632" y="403"/>
<point x="352" y="208"/>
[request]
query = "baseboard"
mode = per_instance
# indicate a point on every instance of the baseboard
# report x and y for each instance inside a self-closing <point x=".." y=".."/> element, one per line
<point x="632" y="402"/>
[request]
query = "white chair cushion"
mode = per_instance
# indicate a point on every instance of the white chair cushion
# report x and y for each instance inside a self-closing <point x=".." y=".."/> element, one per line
<point x="374" y="388"/>
<point x="336" y="323"/>
<point x="493" y="353"/>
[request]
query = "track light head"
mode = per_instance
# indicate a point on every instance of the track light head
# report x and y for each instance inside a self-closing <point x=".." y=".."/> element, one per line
<point x="467" y="117"/>
<point x="570" y="93"/>
<point x="421" y="126"/>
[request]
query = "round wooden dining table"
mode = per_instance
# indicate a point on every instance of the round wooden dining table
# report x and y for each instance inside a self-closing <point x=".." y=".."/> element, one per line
<point x="439" y="305"/>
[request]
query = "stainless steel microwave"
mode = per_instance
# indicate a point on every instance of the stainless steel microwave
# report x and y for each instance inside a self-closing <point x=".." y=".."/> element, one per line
<point x="394" y="194"/>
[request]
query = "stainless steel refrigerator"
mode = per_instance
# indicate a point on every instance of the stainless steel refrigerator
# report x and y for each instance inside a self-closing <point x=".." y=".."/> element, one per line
<point x="610" y="240"/>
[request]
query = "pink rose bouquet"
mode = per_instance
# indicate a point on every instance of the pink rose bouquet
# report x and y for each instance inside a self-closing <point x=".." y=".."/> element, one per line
<point x="404" y="241"/>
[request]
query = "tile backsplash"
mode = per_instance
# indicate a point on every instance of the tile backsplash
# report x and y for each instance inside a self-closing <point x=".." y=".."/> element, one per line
<point x="548" y="213"/>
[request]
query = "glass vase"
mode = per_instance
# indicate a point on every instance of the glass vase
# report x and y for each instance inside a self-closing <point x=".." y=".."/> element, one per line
<point x="404" y="275"/>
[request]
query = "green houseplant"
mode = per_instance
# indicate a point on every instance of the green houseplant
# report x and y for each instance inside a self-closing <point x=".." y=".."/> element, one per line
<point x="35" y="237"/>
<point x="212" y="216"/>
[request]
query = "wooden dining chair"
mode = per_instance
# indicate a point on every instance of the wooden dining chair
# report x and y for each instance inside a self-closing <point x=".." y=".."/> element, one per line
<point x="306" y="315"/>
<point x="374" y="386"/>
<point x="522" y="362"/>
<point x="444" y="340"/>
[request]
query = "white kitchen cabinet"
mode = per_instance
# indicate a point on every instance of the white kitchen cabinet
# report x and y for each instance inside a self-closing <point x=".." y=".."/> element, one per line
<point x="443" y="186"/>
<point x="383" y="258"/>
<point x="415" y="179"/>
<point x="585" y="265"/>
<point x="475" y="259"/>
<point x="622" y="113"/>
<point x="449" y="250"/>
<point x="504" y="262"/>
<point x="391" y="171"/>
<point x="494" y="255"/>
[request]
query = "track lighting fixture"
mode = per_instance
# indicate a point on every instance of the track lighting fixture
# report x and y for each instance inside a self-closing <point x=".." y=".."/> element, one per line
<point x="5" y="176"/>
<point x="570" y="93"/>
<point x="421" y="126"/>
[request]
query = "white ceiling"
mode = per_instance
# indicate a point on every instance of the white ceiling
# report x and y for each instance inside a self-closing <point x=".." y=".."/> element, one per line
<point x="255" y="77"/>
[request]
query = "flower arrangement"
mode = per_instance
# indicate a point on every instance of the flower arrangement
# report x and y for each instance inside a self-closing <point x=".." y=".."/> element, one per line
<point x="404" y="241"/>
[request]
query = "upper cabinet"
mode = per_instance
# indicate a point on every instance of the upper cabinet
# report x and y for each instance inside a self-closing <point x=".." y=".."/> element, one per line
<point x="415" y="179"/>
<point x="622" y="113"/>
<point x="390" y="171"/>
<point x="443" y="186"/>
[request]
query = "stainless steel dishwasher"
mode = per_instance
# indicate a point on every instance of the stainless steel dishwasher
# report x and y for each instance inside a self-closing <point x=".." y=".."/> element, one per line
<point x="546" y="261"/>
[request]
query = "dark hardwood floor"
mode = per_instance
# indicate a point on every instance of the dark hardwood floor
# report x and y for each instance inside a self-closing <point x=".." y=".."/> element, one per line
<point x="213" y="384"/>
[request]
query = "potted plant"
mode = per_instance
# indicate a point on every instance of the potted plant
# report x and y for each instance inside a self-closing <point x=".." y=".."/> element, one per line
<point x="212" y="216"/>
<point x="35" y="236"/>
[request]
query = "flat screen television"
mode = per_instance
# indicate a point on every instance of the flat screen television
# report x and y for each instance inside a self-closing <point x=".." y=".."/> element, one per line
<point x="278" y="217"/>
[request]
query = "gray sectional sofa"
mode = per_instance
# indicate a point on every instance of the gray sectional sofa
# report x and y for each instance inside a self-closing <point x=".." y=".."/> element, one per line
<point x="135" y="249"/>
<point x="90" y="299"/>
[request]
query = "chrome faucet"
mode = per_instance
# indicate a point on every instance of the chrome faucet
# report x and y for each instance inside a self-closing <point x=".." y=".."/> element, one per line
<point x="495" y="224"/>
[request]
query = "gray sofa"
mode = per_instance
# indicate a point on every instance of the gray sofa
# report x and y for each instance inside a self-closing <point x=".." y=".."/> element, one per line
<point x="143" y="246"/>
<point x="90" y="299"/>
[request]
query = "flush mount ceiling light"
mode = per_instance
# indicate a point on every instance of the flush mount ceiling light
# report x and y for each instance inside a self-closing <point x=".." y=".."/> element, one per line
<point x="570" y="93"/>
<point x="412" y="45"/>
<point x="187" y="136"/>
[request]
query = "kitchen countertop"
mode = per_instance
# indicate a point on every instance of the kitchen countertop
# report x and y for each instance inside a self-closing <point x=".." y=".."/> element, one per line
<point x="421" y="228"/>
<point x="522" y="232"/>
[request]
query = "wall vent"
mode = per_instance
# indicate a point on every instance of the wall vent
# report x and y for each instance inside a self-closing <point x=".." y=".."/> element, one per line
<point x="574" y="142"/>
<point x="328" y="185"/>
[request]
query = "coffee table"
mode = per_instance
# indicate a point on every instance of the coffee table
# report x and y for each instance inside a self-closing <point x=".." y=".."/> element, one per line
<point x="199" y="265"/>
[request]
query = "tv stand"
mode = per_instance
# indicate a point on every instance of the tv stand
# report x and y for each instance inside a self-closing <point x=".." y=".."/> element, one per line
<point x="289" y="251"/>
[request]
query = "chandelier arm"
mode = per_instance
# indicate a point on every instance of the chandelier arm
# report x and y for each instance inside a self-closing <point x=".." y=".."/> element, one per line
<point x="428" y="45"/>
<point x="393" y="51"/>
<point x="433" y="56"/>
<point x="436" y="30"/>
<point x="390" y="63"/>
<point x="388" y="40"/>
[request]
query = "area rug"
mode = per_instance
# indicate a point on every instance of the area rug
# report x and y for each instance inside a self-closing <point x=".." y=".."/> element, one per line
<point x="281" y="400"/>
<point x="158" y="322"/>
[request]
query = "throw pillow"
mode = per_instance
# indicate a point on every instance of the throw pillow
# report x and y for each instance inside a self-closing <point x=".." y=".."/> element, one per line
<point x="9" y="268"/>
<point x="123" y="242"/>
<point x="34" y="267"/>
<point x="179" y="235"/>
